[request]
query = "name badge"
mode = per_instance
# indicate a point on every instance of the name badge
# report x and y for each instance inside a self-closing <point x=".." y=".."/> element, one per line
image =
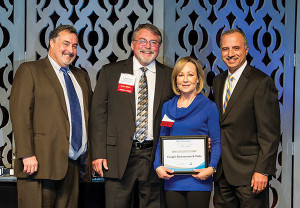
<point x="126" y="83"/>
<point x="166" y="121"/>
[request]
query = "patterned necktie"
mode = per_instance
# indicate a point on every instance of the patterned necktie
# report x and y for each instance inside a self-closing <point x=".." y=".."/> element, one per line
<point x="75" y="110"/>
<point x="228" y="92"/>
<point x="142" y="108"/>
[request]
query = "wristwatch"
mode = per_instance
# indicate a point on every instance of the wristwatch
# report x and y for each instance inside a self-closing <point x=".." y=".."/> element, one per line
<point x="214" y="169"/>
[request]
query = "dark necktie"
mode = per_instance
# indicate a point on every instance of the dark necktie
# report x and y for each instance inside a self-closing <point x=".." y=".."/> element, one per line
<point x="76" y="119"/>
<point x="142" y="108"/>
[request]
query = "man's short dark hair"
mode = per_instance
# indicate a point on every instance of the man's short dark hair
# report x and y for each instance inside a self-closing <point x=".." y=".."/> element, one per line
<point x="55" y="32"/>
<point x="230" y="31"/>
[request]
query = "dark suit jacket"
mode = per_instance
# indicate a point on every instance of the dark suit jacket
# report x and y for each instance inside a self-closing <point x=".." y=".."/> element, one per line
<point x="112" y="120"/>
<point x="40" y="119"/>
<point x="250" y="126"/>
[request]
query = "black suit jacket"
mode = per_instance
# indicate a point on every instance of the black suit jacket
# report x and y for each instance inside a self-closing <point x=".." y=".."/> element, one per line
<point x="250" y="126"/>
<point x="112" y="121"/>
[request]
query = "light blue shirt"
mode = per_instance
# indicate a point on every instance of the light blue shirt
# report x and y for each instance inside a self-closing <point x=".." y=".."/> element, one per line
<point x="72" y="154"/>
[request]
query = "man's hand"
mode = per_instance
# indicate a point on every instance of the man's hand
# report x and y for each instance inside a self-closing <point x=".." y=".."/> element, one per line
<point x="164" y="173"/>
<point x="204" y="173"/>
<point x="97" y="166"/>
<point x="259" y="182"/>
<point x="30" y="165"/>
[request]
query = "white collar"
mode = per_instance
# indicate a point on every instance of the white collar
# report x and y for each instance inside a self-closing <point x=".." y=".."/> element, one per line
<point x="238" y="72"/>
<point x="55" y="65"/>
<point x="137" y="65"/>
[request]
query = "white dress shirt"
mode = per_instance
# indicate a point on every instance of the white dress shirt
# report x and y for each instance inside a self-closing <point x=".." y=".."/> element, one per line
<point x="72" y="154"/>
<point x="236" y="76"/>
<point x="151" y="77"/>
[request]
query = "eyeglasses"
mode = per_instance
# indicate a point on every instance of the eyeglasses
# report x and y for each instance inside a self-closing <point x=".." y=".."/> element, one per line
<point x="143" y="42"/>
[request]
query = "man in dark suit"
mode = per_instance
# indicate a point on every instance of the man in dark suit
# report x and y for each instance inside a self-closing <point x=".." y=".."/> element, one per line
<point x="123" y="145"/>
<point x="250" y="128"/>
<point x="49" y="108"/>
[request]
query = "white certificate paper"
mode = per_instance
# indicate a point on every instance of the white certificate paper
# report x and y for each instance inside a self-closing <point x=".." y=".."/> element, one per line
<point x="183" y="154"/>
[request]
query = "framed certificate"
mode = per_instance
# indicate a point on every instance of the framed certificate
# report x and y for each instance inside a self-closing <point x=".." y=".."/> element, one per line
<point x="183" y="154"/>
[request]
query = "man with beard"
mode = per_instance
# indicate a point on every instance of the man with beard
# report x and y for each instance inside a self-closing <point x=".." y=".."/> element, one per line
<point x="49" y="105"/>
<point x="125" y="118"/>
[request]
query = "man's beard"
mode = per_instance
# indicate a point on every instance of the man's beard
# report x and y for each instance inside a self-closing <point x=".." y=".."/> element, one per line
<point x="147" y="60"/>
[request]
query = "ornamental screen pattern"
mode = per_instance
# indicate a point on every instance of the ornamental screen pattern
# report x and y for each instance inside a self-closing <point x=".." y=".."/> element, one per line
<point x="104" y="28"/>
<point x="194" y="28"/>
<point x="11" y="52"/>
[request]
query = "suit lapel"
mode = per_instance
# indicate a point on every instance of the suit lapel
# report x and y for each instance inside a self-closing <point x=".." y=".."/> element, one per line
<point x="50" y="73"/>
<point x="128" y="68"/>
<point x="221" y="90"/>
<point x="237" y="90"/>
<point x="159" y="86"/>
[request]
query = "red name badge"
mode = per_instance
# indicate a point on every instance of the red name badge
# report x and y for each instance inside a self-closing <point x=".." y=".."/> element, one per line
<point x="125" y="88"/>
<point x="167" y="122"/>
<point x="126" y="83"/>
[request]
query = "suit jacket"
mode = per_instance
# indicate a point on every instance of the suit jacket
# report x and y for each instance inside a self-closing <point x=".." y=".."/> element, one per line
<point x="112" y="121"/>
<point x="40" y="119"/>
<point x="250" y="126"/>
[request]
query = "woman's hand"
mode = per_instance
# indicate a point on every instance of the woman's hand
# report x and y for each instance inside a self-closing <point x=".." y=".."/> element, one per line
<point x="164" y="173"/>
<point x="204" y="173"/>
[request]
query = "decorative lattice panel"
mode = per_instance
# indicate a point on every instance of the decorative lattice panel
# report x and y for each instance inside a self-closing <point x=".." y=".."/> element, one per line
<point x="11" y="54"/>
<point x="194" y="29"/>
<point x="104" y="26"/>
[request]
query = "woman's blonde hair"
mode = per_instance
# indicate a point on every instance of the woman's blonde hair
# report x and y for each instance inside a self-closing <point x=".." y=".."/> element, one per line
<point x="179" y="66"/>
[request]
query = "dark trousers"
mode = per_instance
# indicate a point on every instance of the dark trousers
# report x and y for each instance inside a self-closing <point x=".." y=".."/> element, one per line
<point x="120" y="193"/>
<point x="230" y="196"/>
<point x="49" y="193"/>
<point x="187" y="199"/>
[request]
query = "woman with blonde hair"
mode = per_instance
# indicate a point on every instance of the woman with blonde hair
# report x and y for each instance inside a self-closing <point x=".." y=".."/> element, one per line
<point x="193" y="114"/>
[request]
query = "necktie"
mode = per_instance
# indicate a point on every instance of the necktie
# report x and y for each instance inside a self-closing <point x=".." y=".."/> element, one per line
<point x="228" y="92"/>
<point x="142" y="108"/>
<point x="76" y="119"/>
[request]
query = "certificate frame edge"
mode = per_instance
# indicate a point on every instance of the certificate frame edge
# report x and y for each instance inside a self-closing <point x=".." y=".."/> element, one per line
<point x="205" y="137"/>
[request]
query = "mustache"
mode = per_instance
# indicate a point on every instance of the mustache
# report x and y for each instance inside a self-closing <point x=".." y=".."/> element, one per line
<point x="147" y="51"/>
<point x="231" y="57"/>
<point x="69" y="54"/>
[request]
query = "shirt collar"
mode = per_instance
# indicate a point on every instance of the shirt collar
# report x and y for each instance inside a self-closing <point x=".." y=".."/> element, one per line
<point x="236" y="75"/>
<point x="137" y="65"/>
<point x="55" y="65"/>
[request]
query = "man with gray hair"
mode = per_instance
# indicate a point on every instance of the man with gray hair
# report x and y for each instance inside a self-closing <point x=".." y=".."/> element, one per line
<point x="125" y="118"/>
